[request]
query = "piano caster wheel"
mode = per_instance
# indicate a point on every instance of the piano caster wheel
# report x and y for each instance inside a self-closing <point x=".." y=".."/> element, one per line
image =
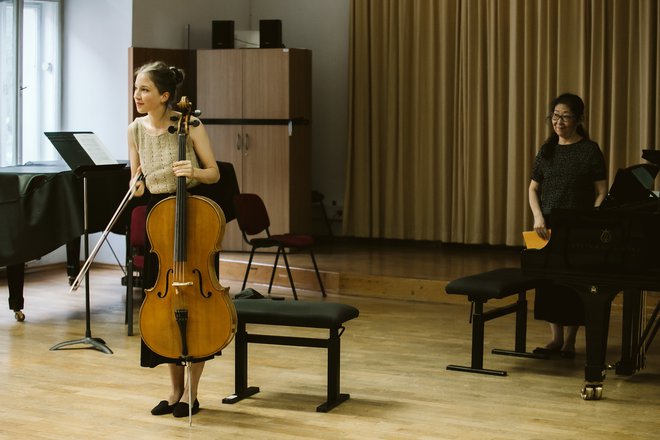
<point x="19" y="315"/>
<point x="592" y="391"/>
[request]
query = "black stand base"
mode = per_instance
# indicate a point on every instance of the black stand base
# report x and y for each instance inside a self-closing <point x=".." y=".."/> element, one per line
<point x="234" y="398"/>
<point x="327" y="406"/>
<point x="479" y="370"/>
<point x="96" y="343"/>
<point x="523" y="354"/>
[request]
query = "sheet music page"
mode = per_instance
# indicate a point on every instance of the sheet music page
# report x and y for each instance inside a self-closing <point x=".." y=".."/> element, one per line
<point x="95" y="148"/>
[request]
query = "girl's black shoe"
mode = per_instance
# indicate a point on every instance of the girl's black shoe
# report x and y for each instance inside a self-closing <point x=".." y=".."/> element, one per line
<point x="163" y="407"/>
<point x="181" y="409"/>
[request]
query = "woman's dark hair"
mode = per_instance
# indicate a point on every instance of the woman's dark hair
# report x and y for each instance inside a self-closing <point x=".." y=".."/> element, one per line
<point x="166" y="78"/>
<point x="573" y="102"/>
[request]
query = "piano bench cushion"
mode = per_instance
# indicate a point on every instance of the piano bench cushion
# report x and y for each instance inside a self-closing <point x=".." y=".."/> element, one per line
<point x="495" y="284"/>
<point x="294" y="313"/>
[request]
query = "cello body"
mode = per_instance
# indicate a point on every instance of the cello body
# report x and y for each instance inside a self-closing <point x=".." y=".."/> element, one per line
<point x="211" y="322"/>
<point x="187" y="314"/>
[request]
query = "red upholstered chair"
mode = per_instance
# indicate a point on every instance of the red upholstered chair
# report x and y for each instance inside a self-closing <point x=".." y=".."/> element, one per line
<point x="135" y="250"/>
<point x="254" y="223"/>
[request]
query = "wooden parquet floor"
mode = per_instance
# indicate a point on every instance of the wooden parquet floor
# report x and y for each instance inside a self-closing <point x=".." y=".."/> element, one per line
<point x="393" y="365"/>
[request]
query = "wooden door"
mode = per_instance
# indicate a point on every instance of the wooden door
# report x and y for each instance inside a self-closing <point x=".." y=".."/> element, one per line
<point x="266" y="84"/>
<point x="219" y="78"/>
<point x="226" y="143"/>
<point x="266" y="170"/>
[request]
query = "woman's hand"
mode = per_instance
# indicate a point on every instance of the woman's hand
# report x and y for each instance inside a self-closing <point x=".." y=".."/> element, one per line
<point x="540" y="227"/>
<point x="183" y="168"/>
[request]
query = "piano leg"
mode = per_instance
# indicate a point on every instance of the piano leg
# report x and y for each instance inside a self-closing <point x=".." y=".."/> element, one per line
<point x="632" y="359"/>
<point x="597" y="304"/>
<point x="15" y="283"/>
<point x="73" y="259"/>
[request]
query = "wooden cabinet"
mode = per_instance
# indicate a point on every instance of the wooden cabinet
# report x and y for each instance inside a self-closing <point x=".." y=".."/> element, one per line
<point x="256" y="106"/>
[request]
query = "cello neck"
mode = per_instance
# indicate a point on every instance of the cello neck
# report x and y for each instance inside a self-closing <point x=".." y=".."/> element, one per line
<point x="180" y="244"/>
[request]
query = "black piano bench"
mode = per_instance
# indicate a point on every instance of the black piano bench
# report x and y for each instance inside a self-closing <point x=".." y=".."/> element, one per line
<point x="495" y="284"/>
<point x="324" y="315"/>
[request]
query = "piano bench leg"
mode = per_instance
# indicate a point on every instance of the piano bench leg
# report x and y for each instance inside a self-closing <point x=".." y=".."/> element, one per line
<point x="479" y="319"/>
<point x="520" y="309"/>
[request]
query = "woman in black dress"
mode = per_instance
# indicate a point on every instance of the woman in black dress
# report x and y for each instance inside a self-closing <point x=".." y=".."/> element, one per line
<point x="569" y="172"/>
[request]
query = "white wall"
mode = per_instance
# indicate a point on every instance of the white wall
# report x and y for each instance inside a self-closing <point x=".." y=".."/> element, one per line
<point x="97" y="34"/>
<point x="164" y="23"/>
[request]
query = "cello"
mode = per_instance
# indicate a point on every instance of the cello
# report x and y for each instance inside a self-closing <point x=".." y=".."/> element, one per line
<point x="187" y="314"/>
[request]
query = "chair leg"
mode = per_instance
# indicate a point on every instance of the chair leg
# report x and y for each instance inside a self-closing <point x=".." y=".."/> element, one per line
<point x="128" y="319"/>
<point x="288" y="271"/>
<point x="247" y="271"/>
<point x="272" y="273"/>
<point x="318" y="274"/>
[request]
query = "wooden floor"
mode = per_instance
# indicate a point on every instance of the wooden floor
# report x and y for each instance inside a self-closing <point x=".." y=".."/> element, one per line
<point x="394" y="359"/>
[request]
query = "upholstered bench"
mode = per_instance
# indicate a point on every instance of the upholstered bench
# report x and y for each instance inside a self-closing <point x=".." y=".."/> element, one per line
<point x="481" y="288"/>
<point x="323" y="315"/>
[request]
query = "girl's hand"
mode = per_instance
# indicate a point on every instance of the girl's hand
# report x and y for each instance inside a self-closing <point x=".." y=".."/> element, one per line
<point x="137" y="185"/>
<point x="183" y="168"/>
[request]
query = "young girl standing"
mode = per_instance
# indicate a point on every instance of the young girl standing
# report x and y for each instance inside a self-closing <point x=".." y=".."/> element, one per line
<point x="153" y="151"/>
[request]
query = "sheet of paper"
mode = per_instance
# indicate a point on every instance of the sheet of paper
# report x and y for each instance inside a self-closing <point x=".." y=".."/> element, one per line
<point x="95" y="149"/>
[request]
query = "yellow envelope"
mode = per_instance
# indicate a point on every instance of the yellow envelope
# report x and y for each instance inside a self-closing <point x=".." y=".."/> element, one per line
<point x="533" y="241"/>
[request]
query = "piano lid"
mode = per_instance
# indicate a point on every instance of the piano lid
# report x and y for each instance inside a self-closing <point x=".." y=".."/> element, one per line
<point x="631" y="185"/>
<point x="652" y="156"/>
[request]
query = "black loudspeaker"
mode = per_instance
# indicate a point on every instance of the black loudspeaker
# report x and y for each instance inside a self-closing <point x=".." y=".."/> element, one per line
<point x="270" y="33"/>
<point x="222" y="35"/>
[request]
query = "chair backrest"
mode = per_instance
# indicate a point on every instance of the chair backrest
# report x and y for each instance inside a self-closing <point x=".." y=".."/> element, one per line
<point x="251" y="214"/>
<point x="223" y="191"/>
<point x="138" y="231"/>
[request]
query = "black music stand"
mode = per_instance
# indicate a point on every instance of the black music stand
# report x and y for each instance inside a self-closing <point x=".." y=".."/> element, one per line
<point x="85" y="156"/>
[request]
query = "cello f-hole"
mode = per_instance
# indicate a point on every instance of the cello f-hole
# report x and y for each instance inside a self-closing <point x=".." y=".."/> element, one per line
<point x="201" y="281"/>
<point x="167" y="285"/>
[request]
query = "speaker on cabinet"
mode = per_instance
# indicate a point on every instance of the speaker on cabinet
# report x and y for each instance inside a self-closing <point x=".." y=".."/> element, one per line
<point x="270" y="33"/>
<point x="222" y="35"/>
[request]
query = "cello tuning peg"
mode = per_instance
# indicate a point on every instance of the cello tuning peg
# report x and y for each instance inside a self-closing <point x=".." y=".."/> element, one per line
<point x="195" y="123"/>
<point x="171" y="129"/>
<point x="174" y="118"/>
<point x="197" y="113"/>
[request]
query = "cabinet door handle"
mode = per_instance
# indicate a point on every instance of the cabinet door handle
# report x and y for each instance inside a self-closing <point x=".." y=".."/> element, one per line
<point x="238" y="141"/>
<point x="246" y="147"/>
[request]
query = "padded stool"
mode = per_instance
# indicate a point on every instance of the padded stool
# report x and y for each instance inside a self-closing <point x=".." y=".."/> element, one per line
<point x="495" y="284"/>
<point x="311" y="314"/>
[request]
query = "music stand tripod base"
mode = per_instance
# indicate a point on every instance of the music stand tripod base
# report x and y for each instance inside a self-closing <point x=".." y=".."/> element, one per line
<point x="97" y="343"/>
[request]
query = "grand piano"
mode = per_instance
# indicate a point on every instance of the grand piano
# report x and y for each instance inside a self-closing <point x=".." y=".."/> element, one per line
<point x="601" y="252"/>
<point x="41" y="209"/>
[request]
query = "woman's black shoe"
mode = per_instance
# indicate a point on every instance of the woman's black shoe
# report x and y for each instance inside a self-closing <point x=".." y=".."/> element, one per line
<point x="181" y="409"/>
<point x="163" y="407"/>
<point x="546" y="351"/>
<point x="567" y="354"/>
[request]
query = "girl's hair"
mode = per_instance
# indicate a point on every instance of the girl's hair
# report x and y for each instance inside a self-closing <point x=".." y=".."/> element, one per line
<point x="166" y="78"/>
<point x="573" y="102"/>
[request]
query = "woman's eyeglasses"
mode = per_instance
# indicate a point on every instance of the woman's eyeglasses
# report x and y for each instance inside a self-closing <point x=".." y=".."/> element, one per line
<point x="566" y="117"/>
